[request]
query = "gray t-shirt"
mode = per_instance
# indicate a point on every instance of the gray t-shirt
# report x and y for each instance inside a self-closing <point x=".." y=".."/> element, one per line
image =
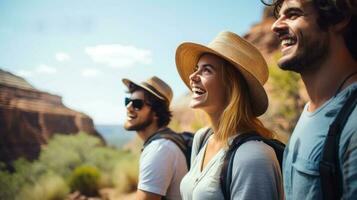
<point x="256" y="173"/>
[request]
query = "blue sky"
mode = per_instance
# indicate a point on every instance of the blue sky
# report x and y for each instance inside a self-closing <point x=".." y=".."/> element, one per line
<point x="81" y="49"/>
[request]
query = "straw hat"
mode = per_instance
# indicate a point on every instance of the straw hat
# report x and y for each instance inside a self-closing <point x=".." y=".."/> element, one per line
<point x="240" y="53"/>
<point x="155" y="86"/>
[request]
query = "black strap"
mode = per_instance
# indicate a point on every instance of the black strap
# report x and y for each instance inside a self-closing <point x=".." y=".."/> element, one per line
<point x="344" y="81"/>
<point x="205" y="138"/>
<point x="330" y="170"/>
<point x="226" y="173"/>
<point x="155" y="136"/>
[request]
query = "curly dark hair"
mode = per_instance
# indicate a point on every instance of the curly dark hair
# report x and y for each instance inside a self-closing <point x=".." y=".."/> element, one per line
<point x="159" y="106"/>
<point x="330" y="12"/>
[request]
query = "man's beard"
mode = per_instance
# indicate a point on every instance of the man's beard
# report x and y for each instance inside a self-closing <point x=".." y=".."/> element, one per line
<point x="140" y="126"/>
<point x="309" y="54"/>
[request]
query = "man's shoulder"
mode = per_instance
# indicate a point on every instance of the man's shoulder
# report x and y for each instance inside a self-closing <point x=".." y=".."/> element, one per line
<point x="351" y="125"/>
<point x="162" y="145"/>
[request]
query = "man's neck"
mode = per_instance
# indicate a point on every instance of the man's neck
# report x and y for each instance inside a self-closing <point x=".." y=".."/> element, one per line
<point x="150" y="130"/>
<point x="322" y="82"/>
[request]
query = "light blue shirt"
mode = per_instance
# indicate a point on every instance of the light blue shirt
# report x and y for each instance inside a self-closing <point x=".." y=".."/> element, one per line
<point x="303" y="153"/>
<point x="255" y="174"/>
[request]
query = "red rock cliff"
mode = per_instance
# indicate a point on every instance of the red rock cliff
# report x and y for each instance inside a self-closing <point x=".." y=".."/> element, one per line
<point x="261" y="35"/>
<point x="29" y="117"/>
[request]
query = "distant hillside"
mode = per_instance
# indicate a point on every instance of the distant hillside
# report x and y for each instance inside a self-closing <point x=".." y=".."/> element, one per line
<point x="115" y="135"/>
<point x="30" y="117"/>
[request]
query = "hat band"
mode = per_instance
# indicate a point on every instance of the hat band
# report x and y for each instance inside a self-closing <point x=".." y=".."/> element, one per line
<point x="155" y="90"/>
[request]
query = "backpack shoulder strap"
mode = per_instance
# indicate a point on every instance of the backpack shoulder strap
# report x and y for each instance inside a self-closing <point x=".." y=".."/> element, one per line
<point x="226" y="172"/>
<point x="170" y="135"/>
<point x="330" y="171"/>
<point x="204" y="138"/>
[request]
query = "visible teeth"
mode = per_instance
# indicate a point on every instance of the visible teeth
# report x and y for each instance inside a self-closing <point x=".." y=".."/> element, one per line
<point x="198" y="90"/>
<point x="288" y="41"/>
<point x="130" y="117"/>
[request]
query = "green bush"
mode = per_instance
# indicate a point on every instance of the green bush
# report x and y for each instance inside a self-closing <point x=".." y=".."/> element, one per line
<point x="66" y="152"/>
<point x="49" y="187"/>
<point x="58" y="161"/>
<point x="285" y="101"/>
<point x="85" y="180"/>
<point x="126" y="174"/>
<point x="10" y="185"/>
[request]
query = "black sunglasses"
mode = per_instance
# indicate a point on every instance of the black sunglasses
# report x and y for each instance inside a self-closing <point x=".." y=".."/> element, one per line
<point x="137" y="104"/>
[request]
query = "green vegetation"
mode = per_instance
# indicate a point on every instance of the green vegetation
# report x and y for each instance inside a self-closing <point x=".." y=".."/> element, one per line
<point x="85" y="179"/>
<point x="48" y="186"/>
<point x="127" y="182"/>
<point x="285" y="101"/>
<point x="68" y="163"/>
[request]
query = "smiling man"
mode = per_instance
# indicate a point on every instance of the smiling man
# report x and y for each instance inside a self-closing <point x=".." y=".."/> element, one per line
<point x="318" y="41"/>
<point x="162" y="163"/>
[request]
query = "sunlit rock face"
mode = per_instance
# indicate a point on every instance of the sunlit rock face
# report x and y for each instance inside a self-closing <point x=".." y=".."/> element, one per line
<point x="29" y="117"/>
<point x="261" y="35"/>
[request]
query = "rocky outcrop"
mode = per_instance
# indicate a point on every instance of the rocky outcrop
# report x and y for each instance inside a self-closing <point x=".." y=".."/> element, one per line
<point x="261" y="35"/>
<point x="29" y="117"/>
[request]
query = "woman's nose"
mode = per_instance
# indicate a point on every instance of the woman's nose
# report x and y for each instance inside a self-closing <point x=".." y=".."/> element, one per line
<point x="194" y="76"/>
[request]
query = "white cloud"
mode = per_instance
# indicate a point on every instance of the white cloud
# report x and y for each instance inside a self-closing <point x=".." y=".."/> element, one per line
<point x="90" y="72"/>
<point x="118" y="56"/>
<point x="24" y="73"/>
<point x="45" y="69"/>
<point x="62" y="57"/>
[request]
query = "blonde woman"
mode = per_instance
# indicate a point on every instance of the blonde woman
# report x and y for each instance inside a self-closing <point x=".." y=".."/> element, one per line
<point x="226" y="78"/>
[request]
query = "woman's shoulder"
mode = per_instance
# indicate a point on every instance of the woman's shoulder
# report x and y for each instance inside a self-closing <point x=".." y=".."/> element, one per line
<point x="255" y="152"/>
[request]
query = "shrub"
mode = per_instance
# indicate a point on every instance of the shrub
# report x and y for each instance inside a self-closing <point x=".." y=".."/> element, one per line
<point x="126" y="174"/>
<point x="66" y="152"/>
<point x="285" y="100"/>
<point x="49" y="187"/>
<point x="85" y="180"/>
<point x="58" y="161"/>
<point x="9" y="185"/>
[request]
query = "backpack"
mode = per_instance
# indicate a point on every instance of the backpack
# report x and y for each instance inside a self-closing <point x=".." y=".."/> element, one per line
<point x="226" y="172"/>
<point x="330" y="170"/>
<point x="182" y="140"/>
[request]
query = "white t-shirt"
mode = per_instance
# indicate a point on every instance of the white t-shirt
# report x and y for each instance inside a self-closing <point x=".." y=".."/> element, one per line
<point x="162" y="166"/>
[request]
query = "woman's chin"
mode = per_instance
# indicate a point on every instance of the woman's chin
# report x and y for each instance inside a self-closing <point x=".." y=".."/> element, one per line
<point x="194" y="104"/>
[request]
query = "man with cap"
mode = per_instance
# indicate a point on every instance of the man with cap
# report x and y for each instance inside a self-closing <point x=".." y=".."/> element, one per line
<point x="162" y="163"/>
<point x="318" y="41"/>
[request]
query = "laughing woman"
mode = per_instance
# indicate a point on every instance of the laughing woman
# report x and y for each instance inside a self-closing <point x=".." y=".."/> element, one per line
<point x="226" y="78"/>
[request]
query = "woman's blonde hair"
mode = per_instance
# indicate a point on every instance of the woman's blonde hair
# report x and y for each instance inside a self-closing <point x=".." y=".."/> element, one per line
<point x="237" y="117"/>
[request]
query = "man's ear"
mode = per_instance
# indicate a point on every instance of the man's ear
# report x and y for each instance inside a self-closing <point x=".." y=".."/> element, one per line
<point x="156" y="118"/>
<point x="341" y="26"/>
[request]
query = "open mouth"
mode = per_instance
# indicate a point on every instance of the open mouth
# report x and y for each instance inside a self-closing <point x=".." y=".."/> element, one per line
<point x="130" y="117"/>
<point x="197" y="91"/>
<point x="287" y="41"/>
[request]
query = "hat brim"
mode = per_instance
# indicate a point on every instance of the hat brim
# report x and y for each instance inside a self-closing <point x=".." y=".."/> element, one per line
<point x="127" y="83"/>
<point x="187" y="56"/>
